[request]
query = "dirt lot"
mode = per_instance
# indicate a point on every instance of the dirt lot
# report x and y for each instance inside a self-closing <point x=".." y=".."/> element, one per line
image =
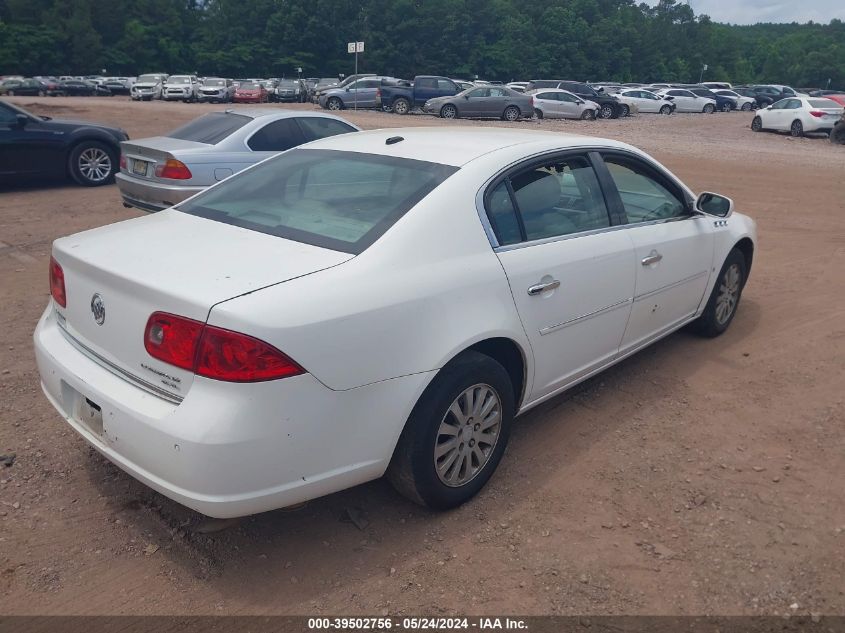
<point x="699" y="477"/>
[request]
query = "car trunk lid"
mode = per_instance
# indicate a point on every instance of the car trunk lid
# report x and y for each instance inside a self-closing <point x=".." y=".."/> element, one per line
<point x="143" y="155"/>
<point x="167" y="262"/>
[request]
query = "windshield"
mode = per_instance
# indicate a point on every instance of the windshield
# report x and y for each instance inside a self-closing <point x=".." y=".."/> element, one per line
<point x="214" y="82"/>
<point x="210" y="128"/>
<point x="179" y="80"/>
<point x="343" y="201"/>
<point x="248" y="86"/>
<point x="148" y="79"/>
<point x="824" y="103"/>
<point x="288" y="83"/>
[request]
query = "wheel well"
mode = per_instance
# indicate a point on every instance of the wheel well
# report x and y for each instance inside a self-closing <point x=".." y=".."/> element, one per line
<point x="508" y="354"/>
<point x="746" y="247"/>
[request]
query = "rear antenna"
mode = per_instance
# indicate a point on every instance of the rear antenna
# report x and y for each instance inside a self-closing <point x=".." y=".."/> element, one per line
<point x="394" y="139"/>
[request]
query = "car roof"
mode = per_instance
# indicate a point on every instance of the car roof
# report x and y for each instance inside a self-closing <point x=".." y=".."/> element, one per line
<point x="257" y="113"/>
<point x="455" y="146"/>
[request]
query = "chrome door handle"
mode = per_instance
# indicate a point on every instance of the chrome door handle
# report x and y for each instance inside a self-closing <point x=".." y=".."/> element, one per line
<point x="541" y="288"/>
<point x="653" y="258"/>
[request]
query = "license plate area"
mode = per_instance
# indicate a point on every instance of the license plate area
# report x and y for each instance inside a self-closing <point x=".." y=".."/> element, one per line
<point x="83" y="410"/>
<point x="139" y="167"/>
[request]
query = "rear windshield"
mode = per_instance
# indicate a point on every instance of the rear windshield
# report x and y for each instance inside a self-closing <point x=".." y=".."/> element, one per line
<point x="210" y="128"/>
<point x="343" y="201"/>
<point x="823" y="103"/>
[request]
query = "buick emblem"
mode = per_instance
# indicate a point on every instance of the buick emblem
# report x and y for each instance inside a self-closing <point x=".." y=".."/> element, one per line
<point x="98" y="308"/>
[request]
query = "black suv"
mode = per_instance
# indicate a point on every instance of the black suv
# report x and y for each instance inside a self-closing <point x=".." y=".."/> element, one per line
<point x="37" y="146"/>
<point x="609" y="106"/>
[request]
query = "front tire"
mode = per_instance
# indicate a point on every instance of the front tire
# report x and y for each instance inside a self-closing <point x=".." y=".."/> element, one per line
<point x="401" y="106"/>
<point x="796" y="129"/>
<point x="606" y="112"/>
<point x="709" y="109"/>
<point x="667" y="110"/>
<point x="334" y="104"/>
<point x="448" y="112"/>
<point x="588" y="115"/>
<point x="726" y="107"/>
<point x="724" y="300"/>
<point x="757" y="124"/>
<point x="746" y="107"/>
<point x="456" y="434"/>
<point x="92" y="164"/>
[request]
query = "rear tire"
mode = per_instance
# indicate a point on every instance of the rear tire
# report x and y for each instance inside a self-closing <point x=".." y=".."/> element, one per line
<point x="511" y="114"/>
<point x="796" y="129"/>
<point x="444" y="458"/>
<point x="401" y="106"/>
<point x="538" y="113"/>
<point x="625" y="110"/>
<point x="726" y="107"/>
<point x="837" y="135"/>
<point x="724" y="300"/>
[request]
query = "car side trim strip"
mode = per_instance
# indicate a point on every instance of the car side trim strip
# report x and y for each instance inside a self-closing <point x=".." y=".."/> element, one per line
<point x="583" y="317"/>
<point x="674" y="284"/>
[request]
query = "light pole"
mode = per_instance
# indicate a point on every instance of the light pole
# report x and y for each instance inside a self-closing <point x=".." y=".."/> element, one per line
<point x="701" y="76"/>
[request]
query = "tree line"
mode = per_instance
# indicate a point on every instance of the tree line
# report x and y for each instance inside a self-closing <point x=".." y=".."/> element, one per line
<point x="593" y="40"/>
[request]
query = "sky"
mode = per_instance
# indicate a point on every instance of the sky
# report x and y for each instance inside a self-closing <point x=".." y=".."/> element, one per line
<point x="751" y="11"/>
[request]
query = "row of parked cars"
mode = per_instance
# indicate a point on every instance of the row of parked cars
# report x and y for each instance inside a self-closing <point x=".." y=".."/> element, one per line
<point x="190" y="88"/>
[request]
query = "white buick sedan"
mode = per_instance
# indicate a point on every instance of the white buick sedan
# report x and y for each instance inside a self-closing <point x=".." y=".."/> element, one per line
<point x="376" y="303"/>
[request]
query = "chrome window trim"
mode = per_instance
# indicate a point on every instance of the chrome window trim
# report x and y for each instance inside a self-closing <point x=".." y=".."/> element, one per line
<point x="491" y="234"/>
<point x="119" y="371"/>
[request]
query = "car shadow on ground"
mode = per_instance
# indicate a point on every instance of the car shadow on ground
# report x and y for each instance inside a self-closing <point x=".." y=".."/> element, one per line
<point x="335" y="543"/>
<point x="40" y="183"/>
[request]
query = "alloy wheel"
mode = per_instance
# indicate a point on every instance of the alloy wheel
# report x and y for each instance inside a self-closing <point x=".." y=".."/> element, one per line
<point x="796" y="129"/>
<point x="511" y="114"/>
<point x="448" y="112"/>
<point x="95" y="164"/>
<point x="606" y="112"/>
<point x="467" y="435"/>
<point x="726" y="300"/>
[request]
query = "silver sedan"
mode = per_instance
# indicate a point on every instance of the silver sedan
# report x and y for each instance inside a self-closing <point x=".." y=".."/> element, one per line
<point x="490" y="102"/>
<point x="160" y="171"/>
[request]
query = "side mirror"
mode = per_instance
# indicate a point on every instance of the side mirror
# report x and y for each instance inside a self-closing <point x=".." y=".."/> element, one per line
<point x="713" y="204"/>
<point x="466" y="97"/>
<point x="580" y="102"/>
<point x="22" y="120"/>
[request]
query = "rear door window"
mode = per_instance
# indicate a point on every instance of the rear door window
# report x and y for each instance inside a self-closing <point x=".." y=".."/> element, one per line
<point x="343" y="201"/>
<point x="211" y="128"/>
<point x="277" y="136"/>
<point x="315" y="127"/>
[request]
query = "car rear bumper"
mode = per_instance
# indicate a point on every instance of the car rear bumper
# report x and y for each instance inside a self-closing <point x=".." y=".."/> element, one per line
<point x="152" y="196"/>
<point x="227" y="449"/>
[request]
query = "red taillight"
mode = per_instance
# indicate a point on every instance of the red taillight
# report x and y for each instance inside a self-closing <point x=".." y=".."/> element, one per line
<point x="173" y="339"/>
<point x="175" y="169"/>
<point x="213" y="352"/>
<point x="57" y="283"/>
<point x="816" y="113"/>
<point x="122" y="161"/>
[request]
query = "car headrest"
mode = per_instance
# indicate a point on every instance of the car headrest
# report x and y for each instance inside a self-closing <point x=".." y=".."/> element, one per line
<point x="536" y="191"/>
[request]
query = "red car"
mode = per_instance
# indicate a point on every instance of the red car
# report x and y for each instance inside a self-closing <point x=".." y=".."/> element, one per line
<point x="251" y="93"/>
<point x="840" y="99"/>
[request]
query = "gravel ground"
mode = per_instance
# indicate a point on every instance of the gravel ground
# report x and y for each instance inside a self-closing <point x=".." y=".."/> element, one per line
<point x="698" y="477"/>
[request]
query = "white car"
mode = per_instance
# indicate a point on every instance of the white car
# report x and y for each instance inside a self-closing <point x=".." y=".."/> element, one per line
<point x="181" y="88"/>
<point x="686" y="101"/>
<point x="798" y="116"/>
<point x="148" y="87"/>
<point x="554" y="103"/>
<point x="646" y="101"/>
<point x="742" y="103"/>
<point x="370" y="304"/>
